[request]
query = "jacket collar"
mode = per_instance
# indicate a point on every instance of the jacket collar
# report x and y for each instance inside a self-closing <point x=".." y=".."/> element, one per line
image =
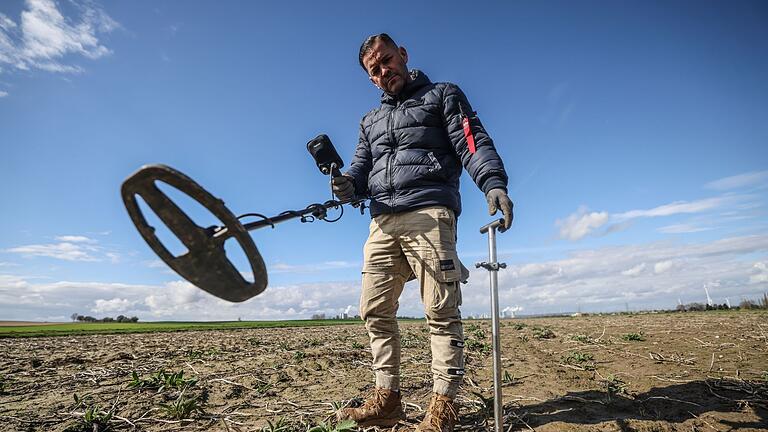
<point x="418" y="80"/>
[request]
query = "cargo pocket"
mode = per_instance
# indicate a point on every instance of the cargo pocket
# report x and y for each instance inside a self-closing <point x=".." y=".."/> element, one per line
<point x="444" y="296"/>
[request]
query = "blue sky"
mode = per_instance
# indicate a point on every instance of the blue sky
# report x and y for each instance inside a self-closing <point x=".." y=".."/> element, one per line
<point x="635" y="135"/>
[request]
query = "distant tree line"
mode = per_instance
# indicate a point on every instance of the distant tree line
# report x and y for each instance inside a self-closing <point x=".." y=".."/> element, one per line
<point x="761" y="303"/>
<point x="322" y="316"/>
<point x="119" y="318"/>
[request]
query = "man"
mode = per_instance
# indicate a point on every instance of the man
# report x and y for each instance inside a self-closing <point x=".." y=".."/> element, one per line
<point x="408" y="160"/>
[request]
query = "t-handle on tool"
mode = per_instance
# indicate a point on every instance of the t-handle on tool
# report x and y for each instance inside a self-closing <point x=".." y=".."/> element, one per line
<point x="493" y="267"/>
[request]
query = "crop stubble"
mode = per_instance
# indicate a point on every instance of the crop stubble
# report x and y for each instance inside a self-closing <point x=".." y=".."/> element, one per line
<point x="640" y="372"/>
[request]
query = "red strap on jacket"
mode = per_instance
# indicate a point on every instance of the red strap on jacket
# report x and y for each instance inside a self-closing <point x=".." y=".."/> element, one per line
<point x="468" y="135"/>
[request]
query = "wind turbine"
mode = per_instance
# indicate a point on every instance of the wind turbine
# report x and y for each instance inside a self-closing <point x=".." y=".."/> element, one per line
<point x="709" y="299"/>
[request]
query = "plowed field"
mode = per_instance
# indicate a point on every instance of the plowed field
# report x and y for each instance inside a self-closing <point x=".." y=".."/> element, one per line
<point x="644" y="372"/>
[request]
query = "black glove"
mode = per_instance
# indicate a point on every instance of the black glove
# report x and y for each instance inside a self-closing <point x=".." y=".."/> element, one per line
<point x="343" y="187"/>
<point x="498" y="199"/>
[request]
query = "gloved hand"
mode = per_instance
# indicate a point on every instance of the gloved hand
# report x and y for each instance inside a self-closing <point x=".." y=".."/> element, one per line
<point x="343" y="187"/>
<point x="498" y="199"/>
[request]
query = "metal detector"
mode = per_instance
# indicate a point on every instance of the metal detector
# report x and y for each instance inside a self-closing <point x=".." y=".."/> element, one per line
<point x="493" y="267"/>
<point x="205" y="264"/>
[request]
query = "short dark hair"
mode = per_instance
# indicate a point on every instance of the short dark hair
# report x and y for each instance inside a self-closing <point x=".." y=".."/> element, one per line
<point x="368" y="45"/>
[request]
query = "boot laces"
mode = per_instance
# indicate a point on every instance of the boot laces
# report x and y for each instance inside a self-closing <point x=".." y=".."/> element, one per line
<point x="441" y="412"/>
<point x="376" y="400"/>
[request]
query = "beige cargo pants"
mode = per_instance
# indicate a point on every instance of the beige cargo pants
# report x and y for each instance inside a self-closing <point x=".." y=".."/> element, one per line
<point x="400" y="245"/>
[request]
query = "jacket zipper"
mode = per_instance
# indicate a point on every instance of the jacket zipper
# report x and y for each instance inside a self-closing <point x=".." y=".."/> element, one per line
<point x="390" y="162"/>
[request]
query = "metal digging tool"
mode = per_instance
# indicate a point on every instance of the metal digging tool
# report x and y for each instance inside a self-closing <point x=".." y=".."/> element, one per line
<point x="493" y="267"/>
<point x="205" y="264"/>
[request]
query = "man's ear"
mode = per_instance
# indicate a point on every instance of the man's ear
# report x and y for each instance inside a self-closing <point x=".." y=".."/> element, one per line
<point x="403" y="54"/>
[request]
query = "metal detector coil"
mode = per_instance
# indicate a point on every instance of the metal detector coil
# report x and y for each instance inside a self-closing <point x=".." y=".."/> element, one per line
<point x="205" y="264"/>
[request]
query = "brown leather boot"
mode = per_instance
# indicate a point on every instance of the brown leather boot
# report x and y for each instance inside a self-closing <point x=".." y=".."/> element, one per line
<point x="381" y="408"/>
<point x="441" y="415"/>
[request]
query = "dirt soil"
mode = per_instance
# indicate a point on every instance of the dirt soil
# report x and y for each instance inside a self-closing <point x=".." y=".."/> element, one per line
<point x="643" y="372"/>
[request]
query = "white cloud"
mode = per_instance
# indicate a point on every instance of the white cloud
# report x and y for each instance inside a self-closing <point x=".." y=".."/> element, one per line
<point x="754" y="178"/>
<point x="24" y="298"/>
<point x="64" y="251"/>
<point x="607" y="278"/>
<point x="3" y="94"/>
<point x="45" y="37"/>
<point x="113" y="305"/>
<point x="760" y="273"/>
<point x="678" y="207"/>
<point x="682" y="228"/>
<point x="75" y="239"/>
<point x="311" y="268"/>
<point x="541" y="269"/>
<point x="581" y="223"/>
<point x="645" y="276"/>
<point x="634" y="271"/>
<point x="664" y="266"/>
<point x="159" y="264"/>
<point x="69" y="248"/>
<point x="12" y="282"/>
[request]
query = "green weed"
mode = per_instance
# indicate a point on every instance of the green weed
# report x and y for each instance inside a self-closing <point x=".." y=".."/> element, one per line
<point x="583" y="360"/>
<point x="478" y="333"/>
<point x="510" y="379"/>
<point x="94" y="417"/>
<point x="409" y="340"/>
<point x="581" y="338"/>
<point x="342" y="426"/>
<point x="543" y="333"/>
<point x="182" y="408"/>
<point x="357" y="345"/>
<point x="194" y="355"/>
<point x="476" y="345"/>
<point x="472" y="328"/>
<point x="161" y="380"/>
<point x="614" y="386"/>
<point x="633" y="337"/>
<point x="279" y="426"/>
<point x="262" y="388"/>
<point x="578" y="357"/>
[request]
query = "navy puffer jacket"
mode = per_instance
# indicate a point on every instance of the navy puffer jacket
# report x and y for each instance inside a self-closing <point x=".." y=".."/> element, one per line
<point x="412" y="149"/>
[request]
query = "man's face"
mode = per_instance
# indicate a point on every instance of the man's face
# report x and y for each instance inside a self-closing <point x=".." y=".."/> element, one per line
<point x="386" y="66"/>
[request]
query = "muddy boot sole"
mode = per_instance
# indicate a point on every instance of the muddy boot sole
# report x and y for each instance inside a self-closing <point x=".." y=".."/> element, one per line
<point x="388" y="422"/>
<point x="381" y="422"/>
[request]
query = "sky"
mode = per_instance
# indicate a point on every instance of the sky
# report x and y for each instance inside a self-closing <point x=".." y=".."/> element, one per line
<point x="634" y="133"/>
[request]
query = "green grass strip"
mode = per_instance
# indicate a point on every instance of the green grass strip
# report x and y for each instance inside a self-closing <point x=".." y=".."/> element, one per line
<point x="70" y="329"/>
